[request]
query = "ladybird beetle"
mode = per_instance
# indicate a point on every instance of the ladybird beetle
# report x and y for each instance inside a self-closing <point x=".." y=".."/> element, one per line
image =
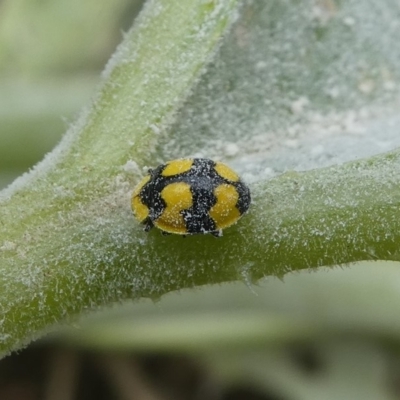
<point x="190" y="196"/>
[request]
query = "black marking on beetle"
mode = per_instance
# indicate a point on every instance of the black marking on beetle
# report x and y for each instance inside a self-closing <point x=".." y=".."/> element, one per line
<point x="150" y="196"/>
<point x="244" y="199"/>
<point x="148" y="224"/>
<point x="197" y="217"/>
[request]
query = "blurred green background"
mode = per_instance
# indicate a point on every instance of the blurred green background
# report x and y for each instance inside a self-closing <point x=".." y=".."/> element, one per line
<point x="51" y="57"/>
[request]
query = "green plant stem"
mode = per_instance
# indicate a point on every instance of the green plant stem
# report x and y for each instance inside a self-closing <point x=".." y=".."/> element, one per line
<point x="61" y="225"/>
<point x="68" y="241"/>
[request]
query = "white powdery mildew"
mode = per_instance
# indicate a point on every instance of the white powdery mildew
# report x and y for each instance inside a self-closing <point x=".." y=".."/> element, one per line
<point x="296" y="87"/>
<point x="8" y="246"/>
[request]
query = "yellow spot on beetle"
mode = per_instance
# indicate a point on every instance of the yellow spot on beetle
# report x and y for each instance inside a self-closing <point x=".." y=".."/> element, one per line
<point x="177" y="167"/>
<point x="139" y="209"/>
<point x="177" y="197"/>
<point x="225" y="172"/>
<point x="224" y="212"/>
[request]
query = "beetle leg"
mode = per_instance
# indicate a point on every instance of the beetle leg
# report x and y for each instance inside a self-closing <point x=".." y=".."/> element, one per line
<point x="148" y="224"/>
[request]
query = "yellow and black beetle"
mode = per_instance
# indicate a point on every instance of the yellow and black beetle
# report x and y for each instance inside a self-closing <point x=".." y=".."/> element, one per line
<point x="190" y="196"/>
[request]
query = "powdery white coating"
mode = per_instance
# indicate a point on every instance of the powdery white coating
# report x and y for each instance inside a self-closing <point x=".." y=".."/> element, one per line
<point x="332" y="140"/>
<point x="132" y="167"/>
<point x="8" y="246"/>
<point x="296" y="88"/>
<point x="369" y="187"/>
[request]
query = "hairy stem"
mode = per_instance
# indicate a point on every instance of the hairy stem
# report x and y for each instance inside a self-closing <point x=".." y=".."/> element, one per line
<point x="61" y="249"/>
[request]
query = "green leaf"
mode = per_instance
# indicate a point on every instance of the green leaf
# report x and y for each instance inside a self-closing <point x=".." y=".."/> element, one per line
<point x="286" y="72"/>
